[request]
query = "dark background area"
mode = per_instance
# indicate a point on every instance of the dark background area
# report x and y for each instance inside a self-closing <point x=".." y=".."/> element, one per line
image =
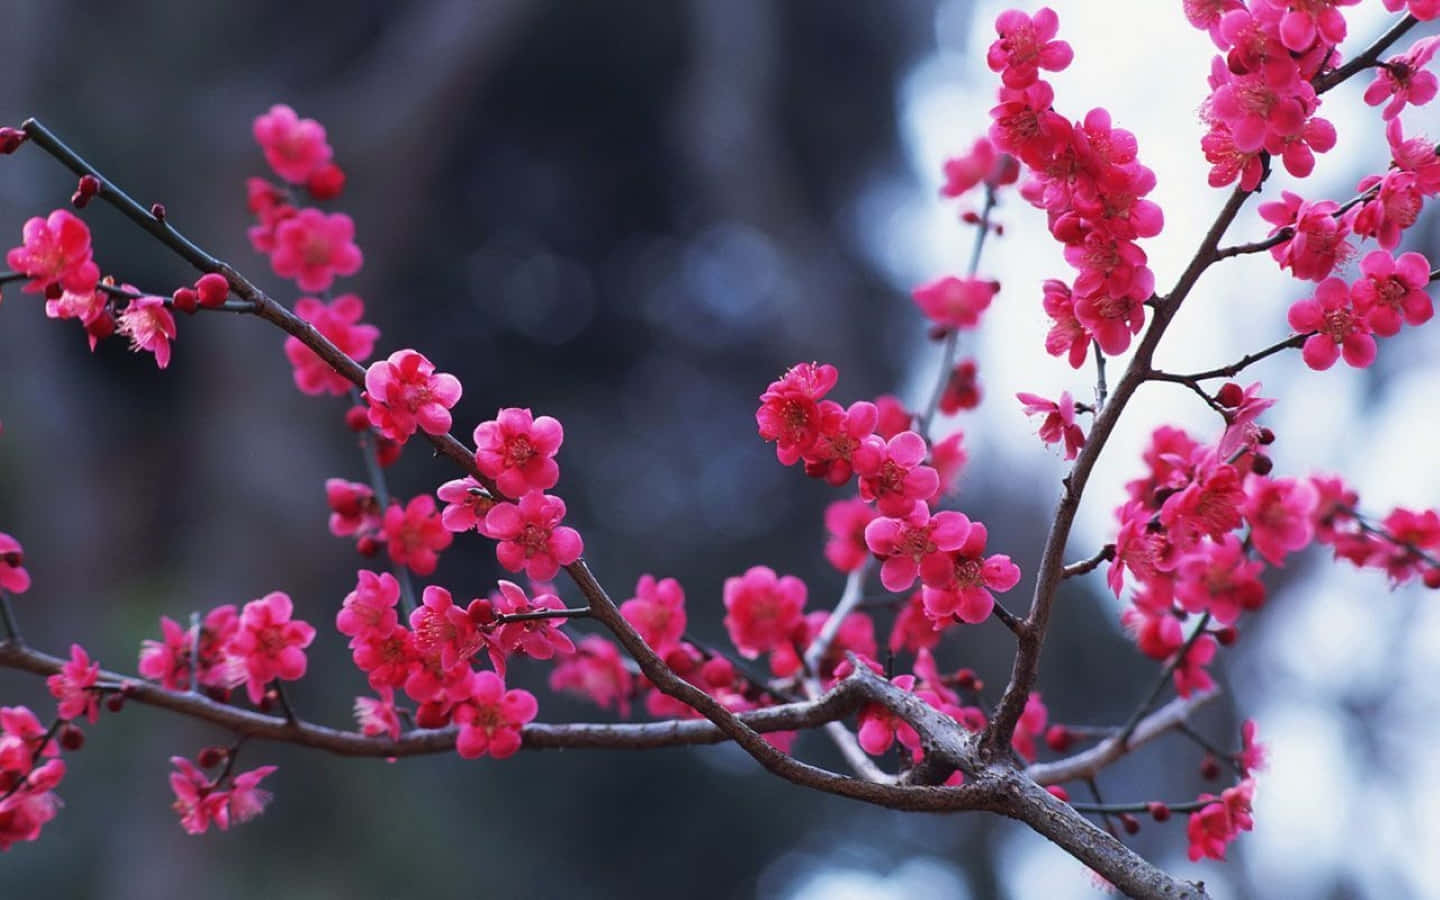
<point x="629" y="215"/>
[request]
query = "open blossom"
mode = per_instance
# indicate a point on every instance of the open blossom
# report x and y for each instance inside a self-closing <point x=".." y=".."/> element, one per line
<point x="1318" y="235"/>
<point x="855" y="635"/>
<point x="906" y="543"/>
<point x="762" y="609"/>
<point x="789" y="412"/>
<point x="387" y="659"/>
<point x="196" y="798"/>
<point x="1220" y="579"/>
<point x="339" y="321"/>
<point x="74" y="686"/>
<point x="1393" y="290"/>
<point x="313" y="247"/>
<point x="891" y="416"/>
<point x="957" y="303"/>
<point x="517" y="450"/>
<point x="55" y="251"/>
<point x="1025" y="124"/>
<point x="1208" y="507"/>
<point x="948" y="457"/>
<point x="414" y="535"/>
<point x="466" y="504"/>
<point x="353" y="507"/>
<point x="893" y="473"/>
<point x="1026" y="45"/>
<point x="1059" y="423"/>
<point x="1216" y="824"/>
<point x="378" y="716"/>
<point x="13" y="576"/>
<point x="982" y="163"/>
<point x="294" y="147"/>
<point x="491" y="718"/>
<point x="1279" y="511"/>
<point x="657" y="611"/>
<point x="370" y="608"/>
<point x="1240" y="429"/>
<point x="1030" y="727"/>
<point x="962" y="388"/>
<point x="270" y="643"/>
<point x="597" y="671"/>
<point x="535" y="638"/>
<point x="1339" y="325"/>
<point x="958" y="585"/>
<point x="1253" y="753"/>
<point x="405" y="393"/>
<point x="880" y="728"/>
<point x="31" y="803"/>
<point x="246" y="799"/>
<point x="150" y="327"/>
<point x="1424" y="10"/>
<point x="1190" y="673"/>
<point x="90" y="307"/>
<point x="1404" y="79"/>
<point x="1067" y="337"/>
<point x="445" y="630"/>
<point x="842" y="431"/>
<point x="531" y="537"/>
<point x="168" y="660"/>
<point x="845" y="520"/>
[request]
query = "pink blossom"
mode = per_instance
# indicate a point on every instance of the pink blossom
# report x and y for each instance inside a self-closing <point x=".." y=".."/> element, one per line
<point x="13" y="576"/>
<point x="913" y="630"/>
<point x="962" y="388"/>
<point x="1393" y="291"/>
<point x="789" y="412"/>
<point x="948" y="457"/>
<point x="1228" y="162"/>
<point x="891" y="416"/>
<point x="657" y="612"/>
<point x="466" y="504"/>
<point x="339" y="322"/>
<point x="763" y="610"/>
<point x="150" y="327"/>
<point x="1059" y="422"/>
<point x="535" y="638"/>
<point x="855" y="635"/>
<point x="1252" y="754"/>
<point x="596" y="671"/>
<point x="167" y="660"/>
<point x="405" y="392"/>
<point x="246" y="799"/>
<point x="893" y="474"/>
<point x="377" y="716"/>
<point x="75" y="686"/>
<point x="982" y="163"/>
<point x="270" y="643"/>
<point x="1112" y="321"/>
<point x="1318" y="235"/>
<point x="370" y="608"/>
<point x="1026" y="45"/>
<point x="531" y="537"/>
<point x="445" y="630"/>
<point x="1208" y="507"/>
<point x="956" y="303"/>
<point x="906" y="543"/>
<point x="414" y="535"/>
<point x="313" y="247"/>
<point x="1030" y="727"/>
<point x="388" y="659"/>
<point x="1190" y="674"/>
<point x="958" y="585"/>
<point x="1279" y="511"/>
<point x="1337" y="326"/>
<point x="1303" y="22"/>
<point x="1216" y="824"/>
<point x="845" y="520"/>
<point x="294" y="147"/>
<point x="1026" y="125"/>
<point x="1067" y="337"/>
<point x="491" y="718"/>
<point x="1403" y="79"/>
<point x="517" y="450"/>
<point x="879" y="727"/>
<point x="1240" y="429"/>
<point x="1112" y="266"/>
<point x="55" y="251"/>
<point x="90" y="307"/>
<point x="196" y="799"/>
<point x="842" y="431"/>
<point x="353" y="507"/>
<point x="1220" y="579"/>
<point x="1424" y="10"/>
<point x="32" y="803"/>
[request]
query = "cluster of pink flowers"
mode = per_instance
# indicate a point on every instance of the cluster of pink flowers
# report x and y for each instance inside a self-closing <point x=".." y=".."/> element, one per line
<point x="26" y="783"/>
<point x="254" y="646"/>
<point x="1086" y="177"/>
<point x="1342" y="319"/>
<point x="339" y="321"/>
<point x="1215" y="825"/>
<point x="306" y="244"/>
<point x="201" y="802"/>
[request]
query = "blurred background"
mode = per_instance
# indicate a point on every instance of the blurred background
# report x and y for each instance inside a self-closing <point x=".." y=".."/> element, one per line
<point x="632" y="216"/>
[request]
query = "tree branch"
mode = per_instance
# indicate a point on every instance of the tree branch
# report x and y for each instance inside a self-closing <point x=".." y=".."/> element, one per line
<point x="1089" y="763"/>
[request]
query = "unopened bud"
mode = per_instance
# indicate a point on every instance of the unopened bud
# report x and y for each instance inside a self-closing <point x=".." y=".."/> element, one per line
<point x="1230" y="395"/>
<point x="481" y="611"/>
<point x="718" y="672"/>
<point x="432" y="715"/>
<point x="212" y="289"/>
<point x="1262" y="464"/>
<point x="1227" y="635"/>
<point x="11" y="139"/>
<point x="13" y="558"/>
<point x="71" y="738"/>
<point x="115" y="702"/>
<point x="1059" y="738"/>
<point x="158" y="211"/>
<point x="210" y="757"/>
<point x="1059" y="793"/>
<point x="1267" y="437"/>
<point x="185" y="299"/>
<point x="1209" y="768"/>
<point x="1431" y="578"/>
<point x="326" y="182"/>
<point x="357" y="418"/>
<point x="367" y="546"/>
<point x="1129" y="823"/>
<point x="1158" y="811"/>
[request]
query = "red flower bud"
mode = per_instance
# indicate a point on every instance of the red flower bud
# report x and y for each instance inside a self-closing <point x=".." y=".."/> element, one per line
<point x="1230" y="395"/>
<point x="212" y="756"/>
<point x="1129" y="823"/>
<point x="357" y="419"/>
<point x="1059" y="738"/>
<point x="326" y="182"/>
<point x="158" y="211"/>
<point x="11" y="139"/>
<point x="185" y="299"/>
<point x="212" y="289"/>
<point x="71" y="738"/>
<point x="1158" y="811"/>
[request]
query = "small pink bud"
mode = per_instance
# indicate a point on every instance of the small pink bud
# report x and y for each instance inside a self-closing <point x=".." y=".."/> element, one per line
<point x="357" y="419"/>
<point x="185" y="299"/>
<point x="1227" y="635"/>
<point x="212" y="289"/>
<point x="158" y="211"/>
<point x="387" y="451"/>
<point x="1230" y="395"/>
<point x="1262" y="465"/>
<point x="1267" y="437"/>
<point x="1059" y="738"/>
<point x="11" y="139"/>
<point x="326" y="182"/>
<point x="71" y="738"/>
<point x="718" y="672"/>
<point x="1158" y="811"/>
<point x="1129" y="823"/>
<point x="1432" y="578"/>
<point x="481" y="611"/>
<point x="367" y="546"/>
<point x="1059" y="793"/>
<point x="212" y="756"/>
<point x="115" y="702"/>
<point x="435" y="714"/>
<point x="1209" y="768"/>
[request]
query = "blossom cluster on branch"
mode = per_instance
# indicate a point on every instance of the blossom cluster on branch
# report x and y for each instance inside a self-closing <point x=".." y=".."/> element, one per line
<point x="1203" y="520"/>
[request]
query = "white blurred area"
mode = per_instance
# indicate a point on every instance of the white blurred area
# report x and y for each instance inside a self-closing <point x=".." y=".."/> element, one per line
<point x="1342" y="677"/>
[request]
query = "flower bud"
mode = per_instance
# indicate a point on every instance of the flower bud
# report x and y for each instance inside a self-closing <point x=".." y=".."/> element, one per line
<point x="11" y="139"/>
<point x="1209" y="768"/>
<point x="210" y="757"/>
<point x="357" y="419"/>
<point x="158" y="211"/>
<point x="1267" y="437"/>
<point x="1227" y="635"/>
<point x="212" y="289"/>
<point x="367" y="546"/>
<point x="115" y="702"/>
<point x="185" y="299"/>
<point x="1431" y="578"/>
<point x="432" y="715"/>
<point x="718" y="672"/>
<point x="1059" y="738"/>
<point x="1129" y="823"/>
<point x="1230" y="395"/>
<point x="326" y="182"/>
<point x="1059" y="793"/>
<point x="1158" y="811"/>
<point x="1262" y="464"/>
<point x="71" y="738"/>
<point x="481" y="611"/>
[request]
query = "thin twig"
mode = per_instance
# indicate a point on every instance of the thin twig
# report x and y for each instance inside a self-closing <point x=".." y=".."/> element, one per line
<point x="582" y="612"/>
<point x="12" y="627"/>
<point x="1294" y="341"/>
<point x="1084" y="566"/>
